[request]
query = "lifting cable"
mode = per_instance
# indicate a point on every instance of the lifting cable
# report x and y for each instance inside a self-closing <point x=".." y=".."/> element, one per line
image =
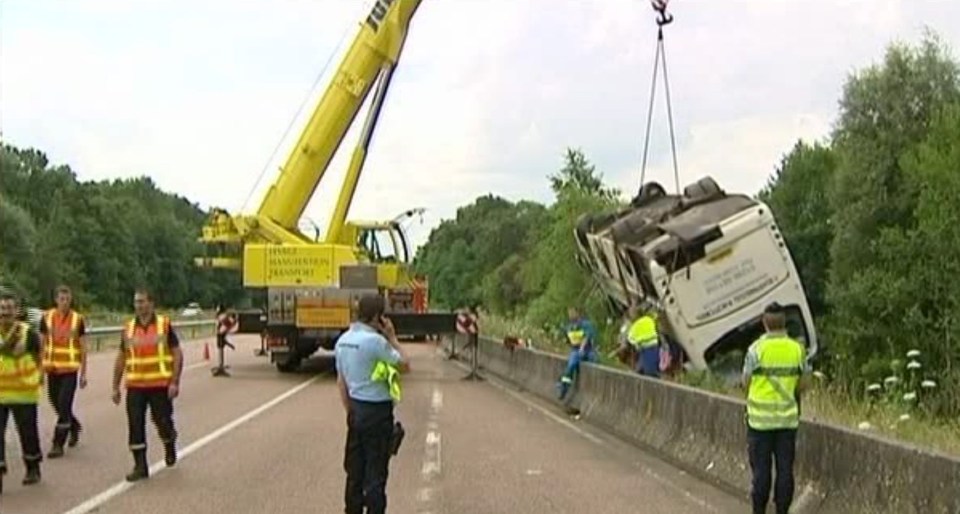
<point x="663" y="19"/>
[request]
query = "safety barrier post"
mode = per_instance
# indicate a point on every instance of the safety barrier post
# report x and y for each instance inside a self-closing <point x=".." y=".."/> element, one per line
<point x="467" y="324"/>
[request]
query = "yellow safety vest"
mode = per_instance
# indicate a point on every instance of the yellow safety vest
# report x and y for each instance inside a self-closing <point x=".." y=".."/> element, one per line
<point x="61" y="349"/>
<point x="643" y="332"/>
<point x="771" y="400"/>
<point x="391" y="375"/>
<point x="19" y="373"/>
<point x="576" y="336"/>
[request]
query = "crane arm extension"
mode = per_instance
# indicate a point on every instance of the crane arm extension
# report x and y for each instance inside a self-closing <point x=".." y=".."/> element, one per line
<point x="339" y="217"/>
<point x="377" y="46"/>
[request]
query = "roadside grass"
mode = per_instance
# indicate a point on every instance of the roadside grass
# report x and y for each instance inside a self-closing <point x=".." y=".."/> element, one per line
<point x="824" y="401"/>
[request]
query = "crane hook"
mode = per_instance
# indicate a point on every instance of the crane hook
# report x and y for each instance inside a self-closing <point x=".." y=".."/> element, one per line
<point x="661" y="7"/>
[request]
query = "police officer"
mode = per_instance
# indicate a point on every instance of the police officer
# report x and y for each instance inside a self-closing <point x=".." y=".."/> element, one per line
<point x="361" y="352"/>
<point x="775" y="370"/>
<point x="151" y="359"/>
<point x="20" y="382"/>
<point x="65" y="363"/>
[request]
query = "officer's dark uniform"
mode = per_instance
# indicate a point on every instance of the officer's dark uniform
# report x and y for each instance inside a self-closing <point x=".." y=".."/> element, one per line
<point x="368" y="377"/>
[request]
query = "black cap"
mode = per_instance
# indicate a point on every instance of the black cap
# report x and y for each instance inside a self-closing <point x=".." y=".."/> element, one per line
<point x="773" y="308"/>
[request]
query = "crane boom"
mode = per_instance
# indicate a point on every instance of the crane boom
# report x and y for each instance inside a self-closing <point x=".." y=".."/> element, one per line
<point x="377" y="46"/>
<point x="373" y="55"/>
<point x="307" y="289"/>
<point x="339" y="217"/>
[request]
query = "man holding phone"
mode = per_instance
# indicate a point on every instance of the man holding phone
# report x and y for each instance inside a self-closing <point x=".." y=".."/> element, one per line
<point x="370" y="340"/>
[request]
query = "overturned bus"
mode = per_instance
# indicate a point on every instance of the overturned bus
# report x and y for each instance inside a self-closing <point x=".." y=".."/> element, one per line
<point x="708" y="260"/>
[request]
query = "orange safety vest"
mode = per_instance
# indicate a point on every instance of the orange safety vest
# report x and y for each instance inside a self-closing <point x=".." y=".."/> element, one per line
<point x="419" y="296"/>
<point x="61" y="347"/>
<point x="149" y="362"/>
<point x="19" y="373"/>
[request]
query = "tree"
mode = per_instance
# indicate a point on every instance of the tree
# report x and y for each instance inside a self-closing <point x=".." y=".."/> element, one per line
<point x="101" y="238"/>
<point x="798" y="195"/>
<point x="894" y="218"/>
<point x="884" y="112"/>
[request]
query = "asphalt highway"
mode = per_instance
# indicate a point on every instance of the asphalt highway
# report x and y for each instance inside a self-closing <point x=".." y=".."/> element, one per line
<point x="264" y="441"/>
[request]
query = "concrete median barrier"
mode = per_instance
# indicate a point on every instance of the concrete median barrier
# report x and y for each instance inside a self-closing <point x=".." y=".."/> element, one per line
<point x="838" y="470"/>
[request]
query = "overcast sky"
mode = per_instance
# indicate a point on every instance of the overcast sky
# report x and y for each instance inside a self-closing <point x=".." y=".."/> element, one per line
<point x="488" y="94"/>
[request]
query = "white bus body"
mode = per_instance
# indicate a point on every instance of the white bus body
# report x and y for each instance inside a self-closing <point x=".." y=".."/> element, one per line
<point x="711" y="261"/>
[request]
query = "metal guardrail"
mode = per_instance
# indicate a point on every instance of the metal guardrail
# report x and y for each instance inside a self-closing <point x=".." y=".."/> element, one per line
<point x="98" y="336"/>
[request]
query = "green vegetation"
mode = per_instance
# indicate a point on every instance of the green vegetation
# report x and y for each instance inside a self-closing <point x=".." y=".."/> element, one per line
<point x="100" y="238"/>
<point x="871" y="215"/>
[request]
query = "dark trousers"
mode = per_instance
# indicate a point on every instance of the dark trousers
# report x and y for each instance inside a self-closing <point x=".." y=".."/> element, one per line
<point x="767" y="447"/>
<point x="161" y="410"/>
<point x="61" y="389"/>
<point x="369" y="433"/>
<point x="222" y="342"/>
<point x="25" y="416"/>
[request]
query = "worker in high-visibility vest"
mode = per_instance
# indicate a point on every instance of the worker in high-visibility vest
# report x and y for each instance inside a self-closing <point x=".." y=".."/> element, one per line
<point x="775" y="370"/>
<point x="582" y="338"/>
<point x="151" y="361"/>
<point x="643" y="335"/>
<point x="65" y="363"/>
<point x="226" y="323"/>
<point x="20" y="382"/>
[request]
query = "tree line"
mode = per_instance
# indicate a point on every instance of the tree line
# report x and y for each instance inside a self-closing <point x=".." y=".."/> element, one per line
<point x="871" y="215"/>
<point x="102" y="238"/>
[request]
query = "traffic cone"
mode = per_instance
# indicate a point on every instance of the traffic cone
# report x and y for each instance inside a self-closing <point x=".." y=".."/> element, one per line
<point x="206" y="351"/>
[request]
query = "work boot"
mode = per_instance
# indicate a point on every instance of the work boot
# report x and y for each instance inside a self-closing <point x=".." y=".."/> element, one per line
<point x="74" y="435"/>
<point x="33" y="473"/>
<point x="56" y="451"/>
<point x="140" y="469"/>
<point x="170" y="453"/>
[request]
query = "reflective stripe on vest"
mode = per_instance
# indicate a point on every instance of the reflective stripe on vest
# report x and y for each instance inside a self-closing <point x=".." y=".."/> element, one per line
<point x="19" y="373"/>
<point x="149" y="362"/>
<point x="643" y="332"/>
<point x="391" y="375"/>
<point x="61" y="347"/>
<point x="771" y="401"/>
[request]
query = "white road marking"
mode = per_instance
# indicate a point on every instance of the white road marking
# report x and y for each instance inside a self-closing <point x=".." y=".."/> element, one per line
<point x="432" y="459"/>
<point x="13" y="451"/>
<point x="122" y="487"/>
<point x="425" y="494"/>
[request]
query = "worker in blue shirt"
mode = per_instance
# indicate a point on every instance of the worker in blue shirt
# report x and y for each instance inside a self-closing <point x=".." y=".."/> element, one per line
<point x="582" y="337"/>
<point x="369" y="343"/>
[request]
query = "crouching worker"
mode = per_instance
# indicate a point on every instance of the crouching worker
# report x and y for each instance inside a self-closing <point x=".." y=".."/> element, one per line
<point x="582" y="337"/>
<point x="644" y="337"/>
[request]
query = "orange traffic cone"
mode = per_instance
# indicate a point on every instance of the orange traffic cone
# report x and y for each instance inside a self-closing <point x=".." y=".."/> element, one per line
<point x="206" y="351"/>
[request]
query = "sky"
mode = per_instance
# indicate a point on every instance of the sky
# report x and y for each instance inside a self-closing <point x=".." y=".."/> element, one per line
<point x="486" y="99"/>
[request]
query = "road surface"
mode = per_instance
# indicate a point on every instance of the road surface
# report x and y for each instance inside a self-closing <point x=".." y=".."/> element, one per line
<point x="262" y="441"/>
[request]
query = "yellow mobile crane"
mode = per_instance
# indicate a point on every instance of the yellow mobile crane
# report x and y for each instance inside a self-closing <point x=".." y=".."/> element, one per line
<point x="311" y="284"/>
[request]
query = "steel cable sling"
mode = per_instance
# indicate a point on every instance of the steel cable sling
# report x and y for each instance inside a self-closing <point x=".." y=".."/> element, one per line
<point x="663" y="19"/>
